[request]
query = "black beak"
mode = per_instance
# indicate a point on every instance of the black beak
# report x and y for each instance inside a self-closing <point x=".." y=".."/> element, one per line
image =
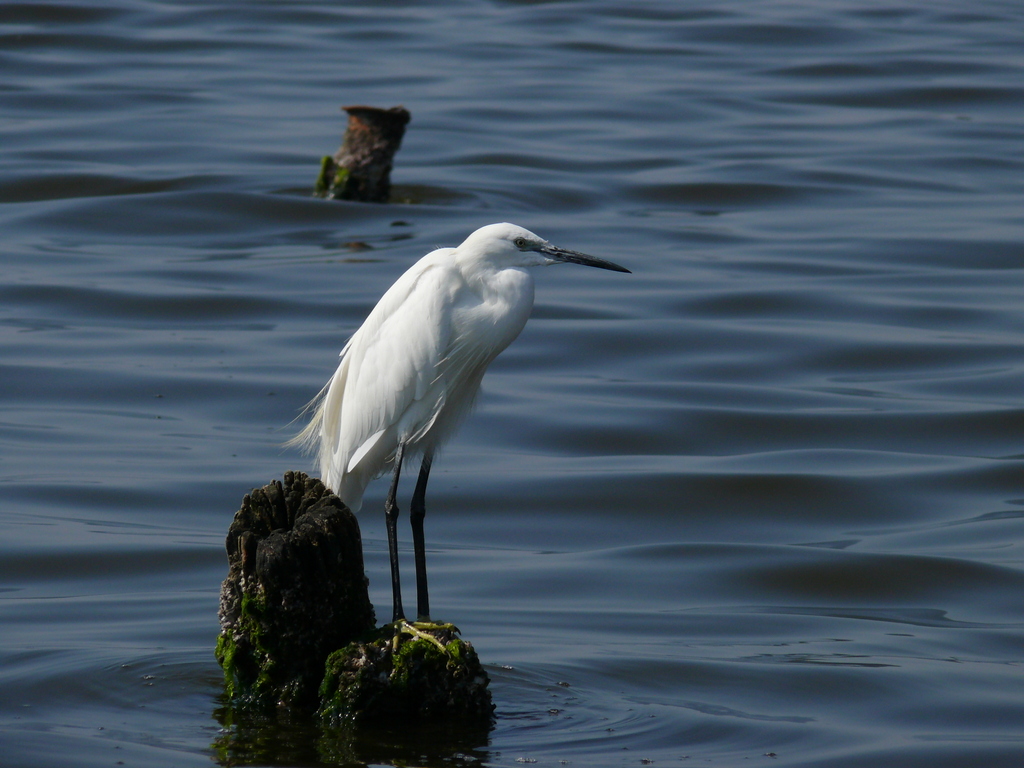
<point x="575" y="257"/>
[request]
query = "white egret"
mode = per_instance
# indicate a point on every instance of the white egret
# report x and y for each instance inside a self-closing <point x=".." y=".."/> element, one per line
<point x="412" y="370"/>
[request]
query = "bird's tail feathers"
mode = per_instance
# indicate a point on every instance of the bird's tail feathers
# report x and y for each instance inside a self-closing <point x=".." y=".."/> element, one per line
<point x="309" y="438"/>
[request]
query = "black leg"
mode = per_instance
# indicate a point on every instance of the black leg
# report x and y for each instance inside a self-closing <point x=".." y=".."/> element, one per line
<point x="391" y="522"/>
<point x="417" y="511"/>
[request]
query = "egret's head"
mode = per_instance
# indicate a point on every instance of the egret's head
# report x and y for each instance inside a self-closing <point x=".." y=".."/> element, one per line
<point x="512" y="246"/>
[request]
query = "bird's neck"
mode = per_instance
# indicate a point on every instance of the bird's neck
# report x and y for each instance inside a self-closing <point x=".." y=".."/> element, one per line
<point x="486" y="278"/>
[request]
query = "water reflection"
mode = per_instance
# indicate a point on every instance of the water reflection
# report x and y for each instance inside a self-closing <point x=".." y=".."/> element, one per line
<point x="248" y="738"/>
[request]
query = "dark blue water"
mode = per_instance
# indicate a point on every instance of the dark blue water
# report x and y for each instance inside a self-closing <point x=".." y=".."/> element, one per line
<point x="760" y="502"/>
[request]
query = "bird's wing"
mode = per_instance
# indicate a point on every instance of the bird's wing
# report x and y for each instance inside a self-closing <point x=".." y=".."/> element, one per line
<point x="390" y="364"/>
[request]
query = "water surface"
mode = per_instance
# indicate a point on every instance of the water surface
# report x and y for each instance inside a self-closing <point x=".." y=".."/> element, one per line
<point x="761" y="501"/>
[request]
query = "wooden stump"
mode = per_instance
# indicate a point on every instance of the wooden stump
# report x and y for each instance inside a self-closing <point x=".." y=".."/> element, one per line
<point x="361" y="168"/>
<point x="295" y="592"/>
<point x="298" y="633"/>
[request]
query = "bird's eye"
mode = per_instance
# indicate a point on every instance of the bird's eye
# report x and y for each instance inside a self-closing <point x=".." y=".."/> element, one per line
<point x="519" y="242"/>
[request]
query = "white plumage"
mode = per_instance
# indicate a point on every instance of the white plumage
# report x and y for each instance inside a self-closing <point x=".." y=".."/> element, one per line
<point x="411" y="372"/>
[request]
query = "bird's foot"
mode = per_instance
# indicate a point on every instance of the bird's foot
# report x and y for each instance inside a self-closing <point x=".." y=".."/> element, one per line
<point x="425" y="623"/>
<point x="422" y="630"/>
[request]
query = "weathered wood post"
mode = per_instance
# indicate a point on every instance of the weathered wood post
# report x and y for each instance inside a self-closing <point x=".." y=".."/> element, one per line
<point x="295" y="592"/>
<point x="361" y="168"/>
<point x="298" y="631"/>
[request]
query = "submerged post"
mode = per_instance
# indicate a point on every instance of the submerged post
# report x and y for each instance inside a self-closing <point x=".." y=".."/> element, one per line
<point x="295" y="592"/>
<point x="361" y="168"/>
<point x="298" y="631"/>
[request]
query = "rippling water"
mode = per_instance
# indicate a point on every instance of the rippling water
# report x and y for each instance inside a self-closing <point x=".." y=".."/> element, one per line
<point x="761" y="501"/>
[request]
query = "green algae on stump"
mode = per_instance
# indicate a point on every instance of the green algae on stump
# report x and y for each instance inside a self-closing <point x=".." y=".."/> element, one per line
<point x="295" y="592"/>
<point x="406" y="672"/>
